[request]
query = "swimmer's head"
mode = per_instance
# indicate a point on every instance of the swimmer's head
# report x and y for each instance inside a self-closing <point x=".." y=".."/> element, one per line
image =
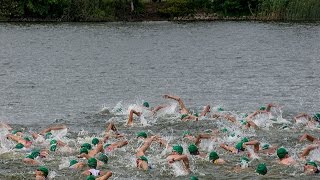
<point x="142" y="134"/>
<point x="186" y="133"/>
<point x="104" y="158"/>
<point x="183" y="116"/>
<point x="193" y="149"/>
<point x="311" y="167"/>
<point x="239" y="146"/>
<point x="245" y="139"/>
<point x="146" y="104"/>
<point x="42" y="171"/>
<point x="213" y="156"/>
<point x="208" y="131"/>
<point x="178" y="149"/>
<point x="53" y="147"/>
<point x="27" y="138"/>
<point x="220" y="109"/>
<point x="262" y="108"/>
<point x="244" y="161"/>
<point x="265" y="146"/>
<point x="53" y="141"/>
<point x="143" y="158"/>
<point x="92" y="163"/>
<point x="87" y="146"/>
<point x="91" y="177"/>
<point x="262" y="169"/>
<point x="282" y="153"/>
<point x="48" y="135"/>
<point x="73" y="162"/>
<point x="193" y="178"/>
<point x="19" y="146"/>
<point x="316" y="117"/>
<point x="106" y="145"/>
<point x="35" y="153"/>
<point x="95" y="141"/>
<point x="224" y="130"/>
<point x="16" y="131"/>
<point x="84" y="150"/>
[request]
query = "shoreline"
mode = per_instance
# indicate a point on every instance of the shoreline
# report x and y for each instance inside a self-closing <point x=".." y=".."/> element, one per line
<point x="188" y="18"/>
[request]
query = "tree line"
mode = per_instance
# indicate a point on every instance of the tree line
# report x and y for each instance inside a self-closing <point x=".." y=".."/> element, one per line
<point x="119" y="10"/>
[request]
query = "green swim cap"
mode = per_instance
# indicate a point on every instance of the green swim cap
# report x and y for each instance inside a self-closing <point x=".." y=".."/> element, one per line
<point x="44" y="170"/>
<point x="53" y="141"/>
<point x="178" y="149"/>
<point x="281" y="152"/>
<point x="262" y="108"/>
<point x="193" y="178"/>
<point x="213" y="156"/>
<point x="27" y="138"/>
<point x="15" y="131"/>
<point x="19" y="146"/>
<point x="317" y="117"/>
<point x="142" y="134"/>
<point x="53" y="147"/>
<point x="183" y="116"/>
<point x="91" y="177"/>
<point x="208" y="131"/>
<point x="265" y="146"/>
<point x="186" y="133"/>
<point x="106" y="145"/>
<point x="143" y="158"/>
<point x="245" y="139"/>
<point x="35" y="153"/>
<point x="224" y="130"/>
<point x="262" y="169"/>
<point x="30" y="156"/>
<point x="243" y="122"/>
<point x="239" y="146"/>
<point x="95" y="141"/>
<point x="73" y="162"/>
<point x="312" y="163"/>
<point x="196" y="114"/>
<point x="233" y="134"/>
<point x="146" y="104"/>
<point x="220" y="109"/>
<point x="193" y="149"/>
<point x="104" y="158"/>
<point x="48" y="135"/>
<point x="245" y="115"/>
<point x="84" y="150"/>
<point x="244" y="159"/>
<point x="92" y="163"/>
<point x="87" y="146"/>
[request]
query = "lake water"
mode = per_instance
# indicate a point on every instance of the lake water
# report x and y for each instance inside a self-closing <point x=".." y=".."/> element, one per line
<point x="68" y="72"/>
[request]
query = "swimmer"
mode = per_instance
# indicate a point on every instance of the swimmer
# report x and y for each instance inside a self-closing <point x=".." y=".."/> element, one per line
<point x="141" y="159"/>
<point x="215" y="158"/>
<point x="93" y="171"/>
<point x="177" y="156"/>
<point x="55" y="127"/>
<point x="308" y="149"/>
<point x="87" y="152"/>
<point x="311" y="168"/>
<point x="237" y="148"/>
<point x="25" y="141"/>
<point x="194" y="150"/>
<point x="311" y="121"/>
<point x="284" y="157"/>
<point x="185" y="114"/>
<point x="42" y="173"/>
<point x="197" y="139"/>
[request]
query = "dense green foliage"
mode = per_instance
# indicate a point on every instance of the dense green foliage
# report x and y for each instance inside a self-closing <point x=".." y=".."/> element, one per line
<point x="110" y="10"/>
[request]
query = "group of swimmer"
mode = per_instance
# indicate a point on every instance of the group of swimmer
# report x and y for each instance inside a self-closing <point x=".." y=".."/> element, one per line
<point x="92" y="156"/>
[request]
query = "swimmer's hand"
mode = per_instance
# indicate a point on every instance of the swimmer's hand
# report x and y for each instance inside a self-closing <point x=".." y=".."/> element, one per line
<point x="165" y="96"/>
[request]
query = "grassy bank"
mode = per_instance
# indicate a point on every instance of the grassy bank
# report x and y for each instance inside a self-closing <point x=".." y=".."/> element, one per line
<point x="138" y="10"/>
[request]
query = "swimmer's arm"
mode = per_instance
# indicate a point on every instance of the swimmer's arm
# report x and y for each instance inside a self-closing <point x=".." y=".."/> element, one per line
<point x="86" y="173"/>
<point x="158" y="108"/>
<point x="307" y="151"/>
<point x="269" y="106"/>
<point x="166" y="96"/>
<point x="106" y="176"/>
<point x="84" y="155"/>
<point x="230" y="118"/>
<point x="57" y="127"/>
<point x="130" y="120"/>
<point x="255" y="144"/>
<point x="141" y="151"/>
<point x="201" y="136"/>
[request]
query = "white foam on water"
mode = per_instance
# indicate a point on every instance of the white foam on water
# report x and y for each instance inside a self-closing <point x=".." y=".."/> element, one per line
<point x="315" y="154"/>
